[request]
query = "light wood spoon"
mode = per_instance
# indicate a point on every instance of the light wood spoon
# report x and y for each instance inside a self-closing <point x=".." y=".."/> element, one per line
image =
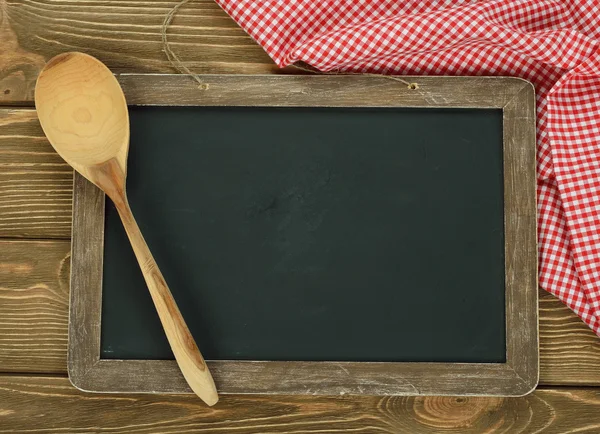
<point x="83" y="112"/>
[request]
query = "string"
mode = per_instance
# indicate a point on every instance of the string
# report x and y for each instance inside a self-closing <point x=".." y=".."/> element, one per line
<point x="173" y="58"/>
<point x="176" y="62"/>
<point x="412" y="86"/>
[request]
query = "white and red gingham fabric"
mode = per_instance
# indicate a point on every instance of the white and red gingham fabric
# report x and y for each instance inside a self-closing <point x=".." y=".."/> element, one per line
<point x="554" y="44"/>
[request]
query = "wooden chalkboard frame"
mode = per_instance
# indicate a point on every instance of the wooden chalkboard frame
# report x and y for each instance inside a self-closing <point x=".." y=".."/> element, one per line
<point x="516" y="377"/>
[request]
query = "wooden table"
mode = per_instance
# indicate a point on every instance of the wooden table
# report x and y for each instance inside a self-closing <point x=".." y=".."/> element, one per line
<point x="35" y="223"/>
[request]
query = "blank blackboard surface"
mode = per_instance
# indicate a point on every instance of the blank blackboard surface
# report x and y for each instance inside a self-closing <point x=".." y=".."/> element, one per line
<point x="355" y="234"/>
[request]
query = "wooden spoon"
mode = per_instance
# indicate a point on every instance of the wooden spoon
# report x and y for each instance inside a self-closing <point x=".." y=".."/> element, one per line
<point x="83" y="112"/>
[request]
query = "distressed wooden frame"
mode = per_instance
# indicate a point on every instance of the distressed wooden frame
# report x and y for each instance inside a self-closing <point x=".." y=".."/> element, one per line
<point x="516" y="377"/>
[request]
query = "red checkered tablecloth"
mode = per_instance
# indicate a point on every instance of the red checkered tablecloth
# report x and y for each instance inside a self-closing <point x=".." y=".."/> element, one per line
<point x="554" y="44"/>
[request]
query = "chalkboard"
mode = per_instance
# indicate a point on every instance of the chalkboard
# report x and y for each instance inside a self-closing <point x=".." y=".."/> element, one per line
<point x="320" y="234"/>
<point x="314" y="234"/>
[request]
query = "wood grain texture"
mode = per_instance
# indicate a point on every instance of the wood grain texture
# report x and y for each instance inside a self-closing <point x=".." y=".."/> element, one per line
<point x="34" y="300"/>
<point x="52" y="404"/>
<point x="126" y="36"/>
<point x="83" y="113"/>
<point x="18" y="66"/>
<point x="35" y="183"/>
<point x="520" y="232"/>
<point x="320" y="90"/>
<point x="123" y="34"/>
<point x="569" y="350"/>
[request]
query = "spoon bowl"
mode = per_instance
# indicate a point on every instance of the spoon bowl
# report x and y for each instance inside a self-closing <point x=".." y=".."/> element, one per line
<point x="83" y="112"/>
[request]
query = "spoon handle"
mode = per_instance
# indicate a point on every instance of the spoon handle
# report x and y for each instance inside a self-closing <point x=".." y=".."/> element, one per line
<point x="182" y="343"/>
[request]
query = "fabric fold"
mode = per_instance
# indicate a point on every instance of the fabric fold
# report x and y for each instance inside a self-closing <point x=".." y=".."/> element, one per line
<point x="555" y="44"/>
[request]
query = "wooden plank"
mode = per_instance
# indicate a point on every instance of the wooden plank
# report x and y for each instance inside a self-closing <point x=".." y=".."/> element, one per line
<point x="322" y="90"/>
<point x="33" y="319"/>
<point x="126" y="35"/>
<point x="35" y="183"/>
<point x="569" y="350"/>
<point x="47" y="403"/>
<point x="34" y="297"/>
<point x="520" y="232"/>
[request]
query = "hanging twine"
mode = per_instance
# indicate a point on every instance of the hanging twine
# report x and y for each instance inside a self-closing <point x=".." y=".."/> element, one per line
<point x="176" y="62"/>
<point x="173" y="58"/>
